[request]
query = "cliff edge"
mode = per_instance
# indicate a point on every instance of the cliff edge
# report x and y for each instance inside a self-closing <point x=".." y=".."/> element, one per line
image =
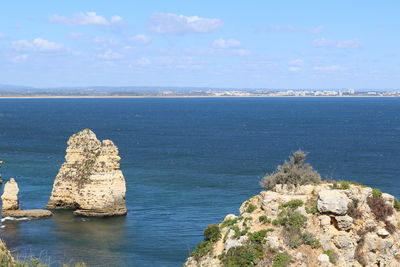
<point x="324" y="223"/>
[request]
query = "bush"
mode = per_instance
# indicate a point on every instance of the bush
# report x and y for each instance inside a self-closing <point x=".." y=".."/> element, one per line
<point x="258" y="237"/>
<point x="238" y="232"/>
<point x="379" y="208"/>
<point x="228" y="223"/>
<point x="293" y="204"/>
<point x="264" y="219"/>
<point x="202" y="249"/>
<point x="311" y="240"/>
<point x="376" y="192"/>
<point x="281" y="260"/>
<point x="246" y="255"/>
<point x="390" y="227"/>
<point x="353" y="211"/>
<point x="311" y="206"/>
<point x="332" y="256"/>
<point x="396" y="204"/>
<point x="212" y="233"/>
<point x="292" y="173"/>
<point x="251" y="208"/>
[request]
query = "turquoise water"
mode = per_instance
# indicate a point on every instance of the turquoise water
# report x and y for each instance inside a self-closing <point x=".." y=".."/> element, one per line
<point x="187" y="163"/>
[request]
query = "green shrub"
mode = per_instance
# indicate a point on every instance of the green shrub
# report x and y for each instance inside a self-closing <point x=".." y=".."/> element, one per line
<point x="228" y="223"/>
<point x="376" y="192"/>
<point x="344" y="185"/>
<point x="257" y="237"/>
<point x="332" y="256"/>
<point x="264" y="219"/>
<point x="294" y="242"/>
<point x="238" y="232"/>
<point x="202" y="249"/>
<point x="292" y="173"/>
<point x="251" y="208"/>
<point x="396" y="204"/>
<point x="311" y="206"/>
<point x="242" y="256"/>
<point x="212" y="233"/>
<point x="293" y="204"/>
<point x="281" y="260"/>
<point x="311" y="240"/>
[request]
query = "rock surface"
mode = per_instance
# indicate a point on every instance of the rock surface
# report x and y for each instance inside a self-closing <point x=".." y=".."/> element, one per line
<point x="33" y="214"/>
<point x="10" y="196"/>
<point x="10" y="206"/>
<point x="349" y="228"/>
<point x="90" y="181"/>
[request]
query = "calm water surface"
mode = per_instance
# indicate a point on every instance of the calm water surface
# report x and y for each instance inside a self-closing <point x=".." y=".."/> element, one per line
<point x="187" y="163"/>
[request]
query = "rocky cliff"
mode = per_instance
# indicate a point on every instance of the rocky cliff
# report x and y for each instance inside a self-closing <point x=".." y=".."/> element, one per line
<point x="327" y="224"/>
<point x="90" y="181"/>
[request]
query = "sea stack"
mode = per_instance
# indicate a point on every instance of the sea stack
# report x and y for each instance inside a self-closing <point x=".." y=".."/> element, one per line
<point x="10" y="196"/>
<point x="10" y="205"/>
<point x="90" y="181"/>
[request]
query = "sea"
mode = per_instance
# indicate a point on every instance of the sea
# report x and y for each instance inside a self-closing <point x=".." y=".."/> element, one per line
<point x="187" y="163"/>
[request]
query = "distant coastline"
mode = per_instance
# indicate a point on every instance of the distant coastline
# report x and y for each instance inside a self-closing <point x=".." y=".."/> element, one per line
<point x="191" y="96"/>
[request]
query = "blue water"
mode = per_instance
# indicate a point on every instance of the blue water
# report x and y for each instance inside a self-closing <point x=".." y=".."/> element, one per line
<point x="187" y="163"/>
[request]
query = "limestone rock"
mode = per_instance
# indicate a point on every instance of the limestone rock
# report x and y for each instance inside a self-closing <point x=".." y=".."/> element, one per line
<point x="10" y="206"/>
<point x="10" y="196"/>
<point x="344" y="222"/>
<point x="33" y="214"/>
<point x="323" y="260"/>
<point x="332" y="201"/>
<point x="90" y="181"/>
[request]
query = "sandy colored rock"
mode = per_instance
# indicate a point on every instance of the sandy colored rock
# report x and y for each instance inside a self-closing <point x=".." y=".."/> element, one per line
<point x="10" y="196"/>
<point x="33" y="214"/>
<point x="90" y="181"/>
<point x="351" y="241"/>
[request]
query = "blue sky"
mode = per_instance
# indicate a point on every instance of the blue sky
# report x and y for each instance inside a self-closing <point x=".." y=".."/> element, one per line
<point x="240" y="44"/>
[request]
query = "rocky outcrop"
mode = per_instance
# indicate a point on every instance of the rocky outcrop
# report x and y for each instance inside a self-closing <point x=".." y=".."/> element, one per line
<point x="10" y="196"/>
<point x="10" y="204"/>
<point x="311" y="225"/>
<point x="90" y="181"/>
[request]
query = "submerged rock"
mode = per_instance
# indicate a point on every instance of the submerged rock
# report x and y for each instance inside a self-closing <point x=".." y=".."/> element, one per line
<point x="90" y="181"/>
<point x="10" y="206"/>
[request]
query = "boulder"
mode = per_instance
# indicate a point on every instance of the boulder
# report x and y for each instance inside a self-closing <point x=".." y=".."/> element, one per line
<point x="332" y="201"/>
<point x="32" y="214"/>
<point x="90" y="181"/>
<point x="344" y="222"/>
<point x="10" y="196"/>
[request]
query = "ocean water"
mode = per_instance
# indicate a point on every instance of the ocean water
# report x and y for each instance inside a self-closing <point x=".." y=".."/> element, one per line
<point x="187" y="163"/>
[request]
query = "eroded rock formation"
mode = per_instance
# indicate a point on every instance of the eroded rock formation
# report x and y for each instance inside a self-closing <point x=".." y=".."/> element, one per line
<point x="10" y="196"/>
<point x="310" y="225"/>
<point x="90" y="181"/>
<point x="10" y="203"/>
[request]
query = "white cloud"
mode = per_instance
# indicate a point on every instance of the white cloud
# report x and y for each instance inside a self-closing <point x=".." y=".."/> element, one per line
<point x="329" y="68"/>
<point x="349" y="44"/>
<point x="142" y="62"/>
<point x="289" y="28"/>
<point x="2" y="36"/>
<point x="141" y="39"/>
<point x="295" y="69"/>
<point x="241" y="52"/>
<point x="110" y="55"/>
<point x="226" y="43"/>
<point x="19" y="58"/>
<point x="86" y="18"/>
<point x="168" y="23"/>
<point x="38" y="44"/>
<point x="297" y="62"/>
<point x="323" y="42"/>
<point x="318" y="29"/>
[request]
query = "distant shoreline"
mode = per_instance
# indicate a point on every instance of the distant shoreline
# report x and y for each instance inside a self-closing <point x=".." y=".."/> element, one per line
<point x="186" y="96"/>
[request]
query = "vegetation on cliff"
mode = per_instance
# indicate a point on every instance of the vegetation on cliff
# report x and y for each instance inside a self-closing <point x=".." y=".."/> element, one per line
<point x="303" y="221"/>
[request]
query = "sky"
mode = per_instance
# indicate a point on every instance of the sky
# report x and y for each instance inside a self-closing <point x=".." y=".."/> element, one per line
<point x="221" y="44"/>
